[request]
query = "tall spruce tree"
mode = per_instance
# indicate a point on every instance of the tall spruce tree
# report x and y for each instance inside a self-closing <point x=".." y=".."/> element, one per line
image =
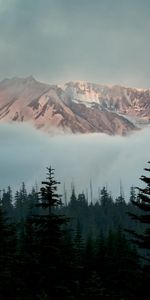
<point x="142" y="238"/>
<point x="49" y="230"/>
<point x="143" y="204"/>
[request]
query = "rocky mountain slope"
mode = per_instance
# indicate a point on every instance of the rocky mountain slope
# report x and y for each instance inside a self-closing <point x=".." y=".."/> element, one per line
<point x="75" y="107"/>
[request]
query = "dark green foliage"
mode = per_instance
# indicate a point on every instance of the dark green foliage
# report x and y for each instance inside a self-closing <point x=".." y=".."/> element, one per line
<point x="6" y="203"/>
<point x="78" y="251"/>
<point x="141" y="236"/>
<point x="105" y="199"/>
<point x="143" y="215"/>
<point x="21" y="203"/>
<point x="49" y="233"/>
<point x="7" y="257"/>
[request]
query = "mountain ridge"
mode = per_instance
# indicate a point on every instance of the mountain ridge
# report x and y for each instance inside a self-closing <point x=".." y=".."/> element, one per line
<point x="78" y="107"/>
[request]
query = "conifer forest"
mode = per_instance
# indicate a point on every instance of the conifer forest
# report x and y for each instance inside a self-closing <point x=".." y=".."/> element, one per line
<point x="53" y="248"/>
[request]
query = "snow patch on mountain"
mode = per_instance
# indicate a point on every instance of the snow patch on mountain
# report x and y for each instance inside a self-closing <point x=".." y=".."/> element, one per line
<point x="80" y="107"/>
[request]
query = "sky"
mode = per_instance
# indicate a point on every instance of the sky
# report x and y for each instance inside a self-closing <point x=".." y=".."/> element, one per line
<point x="102" y="41"/>
<point x="104" y="160"/>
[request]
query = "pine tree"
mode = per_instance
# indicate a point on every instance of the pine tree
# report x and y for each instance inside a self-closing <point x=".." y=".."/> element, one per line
<point x="143" y="204"/>
<point x="78" y="242"/>
<point x="132" y="194"/>
<point x="7" y="257"/>
<point x="120" y="200"/>
<point x="6" y="203"/>
<point x="105" y="200"/>
<point x="73" y="199"/>
<point x="48" y="193"/>
<point x="33" y="200"/>
<point x="49" y="232"/>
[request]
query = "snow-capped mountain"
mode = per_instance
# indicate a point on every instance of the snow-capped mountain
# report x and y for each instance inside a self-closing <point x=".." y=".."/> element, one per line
<point x="75" y="107"/>
<point x="134" y="103"/>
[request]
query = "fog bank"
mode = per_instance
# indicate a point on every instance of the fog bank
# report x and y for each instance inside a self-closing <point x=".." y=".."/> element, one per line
<point x="25" y="153"/>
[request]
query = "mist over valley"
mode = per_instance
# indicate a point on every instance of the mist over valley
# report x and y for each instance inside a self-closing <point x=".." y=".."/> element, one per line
<point x="102" y="159"/>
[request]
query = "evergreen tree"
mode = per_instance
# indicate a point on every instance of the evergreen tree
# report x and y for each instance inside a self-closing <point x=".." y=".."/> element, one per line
<point x="143" y="204"/>
<point x="105" y="199"/>
<point x="78" y="243"/>
<point x="33" y="201"/>
<point x="49" y="230"/>
<point x="73" y="199"/>
<point x="7" y="257"/>
<point x="120" y="200"/>
<point x="142" y="238"/>
<point x="132" y="195"/>
<point x="18" y="204"/>
<point x="6" y="203"/>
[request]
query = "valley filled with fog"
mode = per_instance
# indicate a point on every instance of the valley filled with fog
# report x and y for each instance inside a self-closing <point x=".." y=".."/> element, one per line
<point x="104" y="160"/>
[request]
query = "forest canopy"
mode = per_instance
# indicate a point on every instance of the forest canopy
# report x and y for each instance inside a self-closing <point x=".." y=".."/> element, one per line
<point x="52" y="247"/>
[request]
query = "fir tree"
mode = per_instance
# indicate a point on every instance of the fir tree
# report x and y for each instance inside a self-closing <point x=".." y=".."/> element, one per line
<point x="132" y="195"/>
<point x="7" y="257"/>
<point x="6" y="203"/>
<point x="49" y="231"/>
<point x="143" y="204"/>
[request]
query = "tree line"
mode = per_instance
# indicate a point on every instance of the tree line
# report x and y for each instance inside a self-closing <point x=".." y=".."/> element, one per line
<point x="78" y="250"/>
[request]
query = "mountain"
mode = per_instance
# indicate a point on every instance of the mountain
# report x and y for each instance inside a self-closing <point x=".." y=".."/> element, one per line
<point x="75" y="106"/>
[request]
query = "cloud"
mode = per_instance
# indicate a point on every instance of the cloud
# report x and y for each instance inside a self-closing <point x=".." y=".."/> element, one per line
<point x="25" y="153"/>
<point x="102" y="41"/>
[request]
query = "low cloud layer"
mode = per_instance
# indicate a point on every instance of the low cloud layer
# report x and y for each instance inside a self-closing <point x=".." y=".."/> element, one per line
<point x="25" y="153"/>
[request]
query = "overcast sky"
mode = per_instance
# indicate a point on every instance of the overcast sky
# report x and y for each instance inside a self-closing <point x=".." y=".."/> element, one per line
<point x="103" y="41"/>
<point x="26" y="152"/>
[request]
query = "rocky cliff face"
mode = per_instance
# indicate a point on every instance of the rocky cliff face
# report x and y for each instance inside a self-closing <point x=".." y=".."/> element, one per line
<point x="76" y="107"/>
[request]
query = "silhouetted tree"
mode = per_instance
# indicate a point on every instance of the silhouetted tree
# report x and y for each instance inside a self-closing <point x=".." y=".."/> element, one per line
<point x="105" y="199"/>
<point x="143" y="203"/>
<point x="132" y="194"/>
<point x="6" y="203"/>
<point x="142" y="238"/>
<point x="7" y="257"/>
<point x="49" y="226"/>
